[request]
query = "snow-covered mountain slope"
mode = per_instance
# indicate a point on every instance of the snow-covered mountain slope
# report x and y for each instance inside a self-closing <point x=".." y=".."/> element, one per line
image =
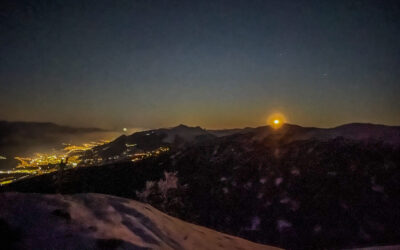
<point x="95" y="221"/>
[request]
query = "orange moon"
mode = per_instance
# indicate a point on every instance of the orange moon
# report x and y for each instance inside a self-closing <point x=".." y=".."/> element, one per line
<point x="276" y="120"/>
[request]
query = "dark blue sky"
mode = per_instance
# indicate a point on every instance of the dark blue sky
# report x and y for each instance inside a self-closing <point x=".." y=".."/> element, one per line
<point x="215" y="64"/>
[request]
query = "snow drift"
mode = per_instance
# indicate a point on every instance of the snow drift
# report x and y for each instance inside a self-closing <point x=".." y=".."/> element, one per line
<point x="95" y="221"/>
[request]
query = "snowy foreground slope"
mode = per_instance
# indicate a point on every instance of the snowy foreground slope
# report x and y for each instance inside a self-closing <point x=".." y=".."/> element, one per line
<point x="95" y="221"/>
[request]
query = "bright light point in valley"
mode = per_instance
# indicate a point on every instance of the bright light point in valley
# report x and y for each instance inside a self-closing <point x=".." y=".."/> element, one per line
<point x="276" y="121"/>
<point x="124" y="129"/>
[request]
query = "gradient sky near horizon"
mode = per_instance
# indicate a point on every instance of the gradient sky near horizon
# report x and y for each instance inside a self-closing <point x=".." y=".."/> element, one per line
<point x="216" y="64"/>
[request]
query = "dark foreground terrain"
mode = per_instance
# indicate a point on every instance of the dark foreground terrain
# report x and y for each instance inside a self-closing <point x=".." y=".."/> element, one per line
<point x="297" y="188"/>
<point x="94" y="221"/>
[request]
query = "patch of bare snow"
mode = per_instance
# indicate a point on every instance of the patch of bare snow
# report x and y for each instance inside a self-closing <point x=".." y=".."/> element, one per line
<point x="255" y="223"/>
<point x="278" y="181"/>
<point x="375" y="187"/>
<point x="294" y="205"/>
<point x="317" y="228"/>
<point x="332" y="173"/>
<point x="282" y="225"/>
<point x="285" y="200"/>
<point x="248" y="185"/>
<point x="378" y="188"/>
<point x="295" y="171"/>
<point x="267" y="204"/>
<point x="344" y="205"/>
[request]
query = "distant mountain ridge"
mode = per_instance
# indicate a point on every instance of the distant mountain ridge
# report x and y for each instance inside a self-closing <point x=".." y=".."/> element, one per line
<point x="352" y="131"/>
<point x="152" y="139"/>
<point x="182" y="135"/>
<point x="7" y="127"/>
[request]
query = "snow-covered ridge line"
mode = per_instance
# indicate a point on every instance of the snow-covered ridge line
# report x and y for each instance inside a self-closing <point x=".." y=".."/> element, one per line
<point x="93" y="221"/>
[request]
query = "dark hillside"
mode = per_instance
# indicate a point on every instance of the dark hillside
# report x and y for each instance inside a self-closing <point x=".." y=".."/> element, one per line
<point x="302" y="194"/>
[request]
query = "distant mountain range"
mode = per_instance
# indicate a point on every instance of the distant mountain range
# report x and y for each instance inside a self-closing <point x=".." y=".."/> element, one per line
<point x="293" y="187"/>
<point x="19" y="137"/>
<point x="182" y="135"/>
<point x="34" y="128"/>
<point x="355" y="131"/>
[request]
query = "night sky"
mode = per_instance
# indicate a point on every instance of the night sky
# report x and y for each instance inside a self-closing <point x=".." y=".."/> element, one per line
<point x="216" y="64"/>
